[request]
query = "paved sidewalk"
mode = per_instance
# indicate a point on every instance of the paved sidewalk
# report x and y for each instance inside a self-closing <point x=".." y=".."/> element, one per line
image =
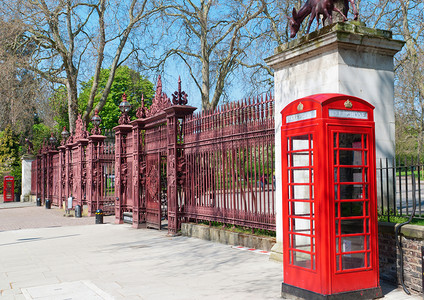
<point x="118" y="262"/>
<point x="15" y="204"/>
<point x="25" y="216"/>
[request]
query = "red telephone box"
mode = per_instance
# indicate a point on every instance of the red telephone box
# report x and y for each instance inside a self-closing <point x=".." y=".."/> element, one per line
<point x="9" y="188"/>
<point x="330" y="241"/>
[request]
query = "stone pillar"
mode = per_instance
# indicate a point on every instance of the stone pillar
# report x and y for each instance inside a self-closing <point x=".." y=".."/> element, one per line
<point x="27" y="160"/>
<point x="346" y="58"/>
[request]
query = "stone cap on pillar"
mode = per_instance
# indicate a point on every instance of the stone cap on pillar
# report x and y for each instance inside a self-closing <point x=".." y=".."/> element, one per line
<point x="96" y="138"/>
<point x="337" y="35"/>
<point x="28" y="157"/>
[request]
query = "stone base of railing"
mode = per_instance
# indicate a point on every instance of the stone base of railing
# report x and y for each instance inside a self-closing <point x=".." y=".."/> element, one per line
<point x="223" y="236"/>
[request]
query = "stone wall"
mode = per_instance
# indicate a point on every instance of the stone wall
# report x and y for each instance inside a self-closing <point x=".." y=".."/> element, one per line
<point x="412" y="241"/>
<point x="227" y="237"/>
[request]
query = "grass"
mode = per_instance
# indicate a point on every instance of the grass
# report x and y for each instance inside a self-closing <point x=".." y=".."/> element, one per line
<point x="409" y="173"/>
<point x="398" y="219"/>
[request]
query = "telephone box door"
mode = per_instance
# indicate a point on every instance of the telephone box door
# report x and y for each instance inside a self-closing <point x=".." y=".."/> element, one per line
<point x="354" y="239"/>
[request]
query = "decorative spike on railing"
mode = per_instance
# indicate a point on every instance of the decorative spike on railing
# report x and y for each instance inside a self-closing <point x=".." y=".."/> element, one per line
<point x="253" y="112"/>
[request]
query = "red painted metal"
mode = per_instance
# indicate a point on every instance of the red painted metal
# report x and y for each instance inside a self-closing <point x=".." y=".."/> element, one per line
<point x="150" y="161"/>
<point x="81" y="168"/>
<point x="8" y="189"/>
<point x="107" y="177"/>
<point x="123" y="186"/>
<point x="153" y="201"/>
<point x="34" y="167"/>
<point x="55" y="178"/>
<point x="78" y="171"/>
<point x="170" y="166"/>
<point x="229" y="161"/>
<point x="94" y="172"/>
<point x="329" y="195"/>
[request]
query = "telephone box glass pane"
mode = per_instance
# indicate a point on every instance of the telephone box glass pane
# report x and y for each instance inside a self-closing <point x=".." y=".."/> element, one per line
<point x="302" y="226"/>
<point x="352" y="226"/>
<point x="352" y="191"/>
<point x="350" y="158"/>
<point x="301" y="142"/>
<point x="351" y="209"/>
<point x="351" y="175"/>
<point x="353" y="261"/>
<point x="353" y="243"/>
<point x="299" y="159"/>
<point x="300" y="192"/>
<point x="301" y="209"/>
<point x="301" y="176"/>
<point x="349" y="140"/>
<point x="302" y="259"/>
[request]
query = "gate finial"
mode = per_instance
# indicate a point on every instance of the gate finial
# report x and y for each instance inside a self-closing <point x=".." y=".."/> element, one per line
<point x="160" y="101"/>
<point x="125" y="108"/>
<point x="179" y="97"/>
<point x="141" y="111"/>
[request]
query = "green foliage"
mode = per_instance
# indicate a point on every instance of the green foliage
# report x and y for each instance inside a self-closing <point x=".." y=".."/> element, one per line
<point x="393" y="216"/>
<point x="126" y="81"/>
<point x="59" y="105"/>
<point x="40" y="132"/>
<point x="399" y="220"/>
<point x="9" y="145"/>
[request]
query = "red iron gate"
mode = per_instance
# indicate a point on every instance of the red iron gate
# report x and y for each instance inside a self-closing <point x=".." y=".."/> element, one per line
<point x="83" y="169"/>
<point x="152" y="157"/>
<point x="153" y="197"/>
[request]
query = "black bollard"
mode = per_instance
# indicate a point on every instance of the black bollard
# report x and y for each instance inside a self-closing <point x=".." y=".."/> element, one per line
<point x="38" y="202"/>
<point x="78" y="211"/>
<point x="48" y="204"/>
<point x="99" y="216"/>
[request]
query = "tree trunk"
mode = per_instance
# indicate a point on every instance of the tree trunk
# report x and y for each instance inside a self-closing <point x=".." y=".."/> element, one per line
<point x="205" y="58"/>
<point x="72" y="104"/>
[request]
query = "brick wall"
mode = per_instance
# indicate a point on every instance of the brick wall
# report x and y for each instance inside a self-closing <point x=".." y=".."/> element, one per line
<point x="412" y="241"/>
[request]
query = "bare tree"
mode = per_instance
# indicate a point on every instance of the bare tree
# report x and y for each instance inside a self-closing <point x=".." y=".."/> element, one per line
<point x="405" y="19"/>
<point x="69" y="35"/>
<point x="211" y="38"/>
<point x="19" y="89"/>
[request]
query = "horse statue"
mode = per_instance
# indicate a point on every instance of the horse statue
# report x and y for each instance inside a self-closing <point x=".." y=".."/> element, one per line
<point x="316" y="8"/>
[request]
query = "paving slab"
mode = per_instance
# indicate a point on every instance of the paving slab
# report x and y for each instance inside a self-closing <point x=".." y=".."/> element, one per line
<point x="84" y="289"/>
<point x="111" y="261"/>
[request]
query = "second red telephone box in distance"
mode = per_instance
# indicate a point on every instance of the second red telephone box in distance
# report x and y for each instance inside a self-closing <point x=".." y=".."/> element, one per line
<point x="8" y="188"/>
<point x="329" y="198"/>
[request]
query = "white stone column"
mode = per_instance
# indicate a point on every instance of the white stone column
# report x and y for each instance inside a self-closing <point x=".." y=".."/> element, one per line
<point x="346" y="58"/>
<point x="26" y="176"/>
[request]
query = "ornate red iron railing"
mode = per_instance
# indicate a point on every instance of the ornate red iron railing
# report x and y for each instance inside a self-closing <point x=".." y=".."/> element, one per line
<point x="229" y="156"/>
<point x="170" y="165"/>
